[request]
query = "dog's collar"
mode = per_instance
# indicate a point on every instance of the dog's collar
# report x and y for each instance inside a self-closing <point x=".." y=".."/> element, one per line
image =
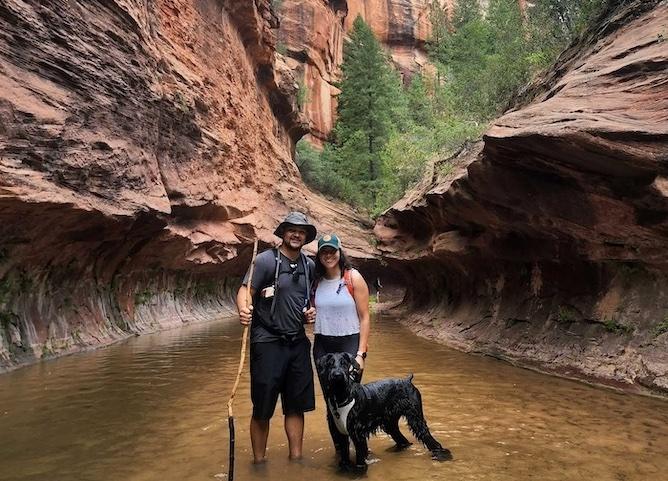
<point x="340" y="414"/>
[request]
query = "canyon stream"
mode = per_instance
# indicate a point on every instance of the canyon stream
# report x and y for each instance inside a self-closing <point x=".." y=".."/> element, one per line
<point x="155" y="408"/>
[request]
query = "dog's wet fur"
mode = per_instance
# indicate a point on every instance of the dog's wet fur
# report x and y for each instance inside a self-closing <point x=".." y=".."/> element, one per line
<point x="378" y="406"/>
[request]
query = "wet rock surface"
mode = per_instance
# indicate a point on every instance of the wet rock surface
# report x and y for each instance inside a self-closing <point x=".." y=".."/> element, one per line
<point x="143" y="146"/>
<point x="547" y="244"/>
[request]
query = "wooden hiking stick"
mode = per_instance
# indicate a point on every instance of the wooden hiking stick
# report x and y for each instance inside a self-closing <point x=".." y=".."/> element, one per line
<point x="244" y="337"/>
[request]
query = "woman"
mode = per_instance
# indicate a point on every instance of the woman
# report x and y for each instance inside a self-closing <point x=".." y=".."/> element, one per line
<point x="341" y="299"/>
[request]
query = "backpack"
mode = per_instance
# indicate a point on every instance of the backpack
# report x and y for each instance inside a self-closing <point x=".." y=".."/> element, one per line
<point x="347" y="280"/>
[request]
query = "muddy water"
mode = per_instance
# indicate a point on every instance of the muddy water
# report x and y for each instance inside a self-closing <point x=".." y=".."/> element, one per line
<point x="154" y="408"/>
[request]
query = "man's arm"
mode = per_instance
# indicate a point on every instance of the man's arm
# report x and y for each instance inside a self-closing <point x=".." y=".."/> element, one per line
<point x="245" y="311"/>
<point x="263" y="268"/>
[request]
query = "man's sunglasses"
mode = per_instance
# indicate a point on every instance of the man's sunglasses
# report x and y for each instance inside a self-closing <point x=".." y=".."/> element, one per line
<point x="294" y="271"/>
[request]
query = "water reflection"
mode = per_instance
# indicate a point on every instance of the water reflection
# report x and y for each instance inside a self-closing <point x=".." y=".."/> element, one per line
<point x="154" y="408"/>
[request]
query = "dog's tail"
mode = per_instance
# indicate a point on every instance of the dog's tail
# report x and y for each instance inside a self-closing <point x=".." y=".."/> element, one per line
<point x="409" y="378"/>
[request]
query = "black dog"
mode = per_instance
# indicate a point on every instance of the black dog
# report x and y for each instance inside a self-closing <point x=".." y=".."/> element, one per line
<point x="360" y="411"/>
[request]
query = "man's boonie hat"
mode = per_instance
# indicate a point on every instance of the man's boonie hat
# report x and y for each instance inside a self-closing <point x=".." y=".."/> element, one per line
<point x="299" y="220"/>
<point x="329" y="240"/>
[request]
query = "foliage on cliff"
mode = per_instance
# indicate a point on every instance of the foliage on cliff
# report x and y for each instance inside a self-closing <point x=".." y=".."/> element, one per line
<point x="387" y="132"/>
<point x="483" y="59"/>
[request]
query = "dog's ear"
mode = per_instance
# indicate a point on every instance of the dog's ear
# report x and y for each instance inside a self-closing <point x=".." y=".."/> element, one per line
<point x="356" y="365"/>
<point x="350" y="359"/>
<point x="321" y="363"/>
<point x="352" y="362"/>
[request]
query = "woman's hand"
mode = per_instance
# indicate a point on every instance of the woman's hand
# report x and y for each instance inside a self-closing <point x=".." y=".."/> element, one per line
<point x="309" y="315"/>
<point x="360" y="361"/>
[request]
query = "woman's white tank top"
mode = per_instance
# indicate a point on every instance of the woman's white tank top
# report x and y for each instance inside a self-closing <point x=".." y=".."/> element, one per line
<point x="336" y="313"/>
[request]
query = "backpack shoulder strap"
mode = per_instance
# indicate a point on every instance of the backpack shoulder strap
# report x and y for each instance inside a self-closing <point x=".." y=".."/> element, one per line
<point x="348" y="280"/>
<point x="307" y="277"/>
<point x="277" y="257"/>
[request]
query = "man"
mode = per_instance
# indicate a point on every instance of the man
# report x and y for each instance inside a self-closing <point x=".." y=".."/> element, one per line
<point x="378" y="287"/>
<point x="280" y="361"/>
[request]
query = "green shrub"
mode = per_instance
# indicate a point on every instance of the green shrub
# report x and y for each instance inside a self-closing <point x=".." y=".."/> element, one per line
<point x="564" y="314"/>
<point x="302" y="94"/>
<point x="282" y="48"/>
<point x="143" y="297"/>
<point x="661" y="328"/>
<point x="611" y="325"/>
<point x="276" y="5"/>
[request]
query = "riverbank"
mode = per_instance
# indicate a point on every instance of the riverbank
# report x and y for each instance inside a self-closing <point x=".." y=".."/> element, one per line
<point x="584" y="353"/>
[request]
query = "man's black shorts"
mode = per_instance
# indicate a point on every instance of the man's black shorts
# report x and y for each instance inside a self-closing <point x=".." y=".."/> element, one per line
<point x="280" y="367"/>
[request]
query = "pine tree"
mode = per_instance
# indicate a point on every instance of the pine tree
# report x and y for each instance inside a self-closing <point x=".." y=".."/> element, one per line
<point x="508" y="62"/>
<point x="466" y="11"/>
<point x="368" y="108"/>
<point x="419" y="104"/>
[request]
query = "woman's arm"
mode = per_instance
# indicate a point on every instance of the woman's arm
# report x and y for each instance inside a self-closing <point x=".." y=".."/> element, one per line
<point x="361" y="296"/>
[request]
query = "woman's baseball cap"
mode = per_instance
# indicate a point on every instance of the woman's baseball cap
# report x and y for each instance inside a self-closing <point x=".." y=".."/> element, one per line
<point x="329" y="240"/>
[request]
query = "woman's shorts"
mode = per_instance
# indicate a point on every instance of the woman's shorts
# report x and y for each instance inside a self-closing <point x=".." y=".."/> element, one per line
<point x="281" y="367"/>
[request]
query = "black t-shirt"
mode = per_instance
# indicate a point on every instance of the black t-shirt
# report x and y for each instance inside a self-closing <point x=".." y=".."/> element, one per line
<point x="291" y="296"/>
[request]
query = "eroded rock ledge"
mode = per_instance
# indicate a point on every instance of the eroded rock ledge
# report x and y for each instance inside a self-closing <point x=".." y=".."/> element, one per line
<point x="143" y="146"/>
<point x="547" y="244"/>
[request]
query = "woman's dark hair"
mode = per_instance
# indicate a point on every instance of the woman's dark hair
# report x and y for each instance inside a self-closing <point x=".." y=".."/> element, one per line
<point x="344" y="264"/>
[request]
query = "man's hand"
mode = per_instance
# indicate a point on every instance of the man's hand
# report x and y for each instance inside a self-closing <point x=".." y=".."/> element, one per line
<point x="309" y="315"/>
<point x="245" y="315"/>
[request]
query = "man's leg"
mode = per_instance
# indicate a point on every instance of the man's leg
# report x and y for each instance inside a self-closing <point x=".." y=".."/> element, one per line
<point x="294" y="428"/>
<point x="298" y="396"/>
<point x="259" y="432"/>
<point x="266" y="368"/>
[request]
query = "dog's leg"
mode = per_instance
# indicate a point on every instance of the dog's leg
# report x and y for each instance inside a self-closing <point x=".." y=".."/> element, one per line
<point x="361" y="452"/>
<point x="341" y="443"/>
<point x="418" y="426"/>
<point x="392" y="428"/>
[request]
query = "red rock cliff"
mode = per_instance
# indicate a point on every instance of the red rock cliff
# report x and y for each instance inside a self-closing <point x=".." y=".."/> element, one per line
<point x="403" y="26"/>
<point x="143" y="145"/>
<point x="547" y="244"/>
<point x="311" y="38"/>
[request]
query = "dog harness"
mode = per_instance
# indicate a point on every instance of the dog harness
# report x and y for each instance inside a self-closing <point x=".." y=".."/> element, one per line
<point x="340" y="415"/>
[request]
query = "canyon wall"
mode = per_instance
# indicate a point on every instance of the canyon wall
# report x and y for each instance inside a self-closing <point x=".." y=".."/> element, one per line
<point x="547" y="243"/>
<point x="403" y="26"/>
<point x="144" y="144"/>
<point x="311" y="39"/>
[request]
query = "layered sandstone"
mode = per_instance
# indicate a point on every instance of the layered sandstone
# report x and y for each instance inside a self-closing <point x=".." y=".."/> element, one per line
<point x="311" y="39"/>
<point x="404" y="26"/>
<point x="143" y="146"/>
<point x="547" y="244"/>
